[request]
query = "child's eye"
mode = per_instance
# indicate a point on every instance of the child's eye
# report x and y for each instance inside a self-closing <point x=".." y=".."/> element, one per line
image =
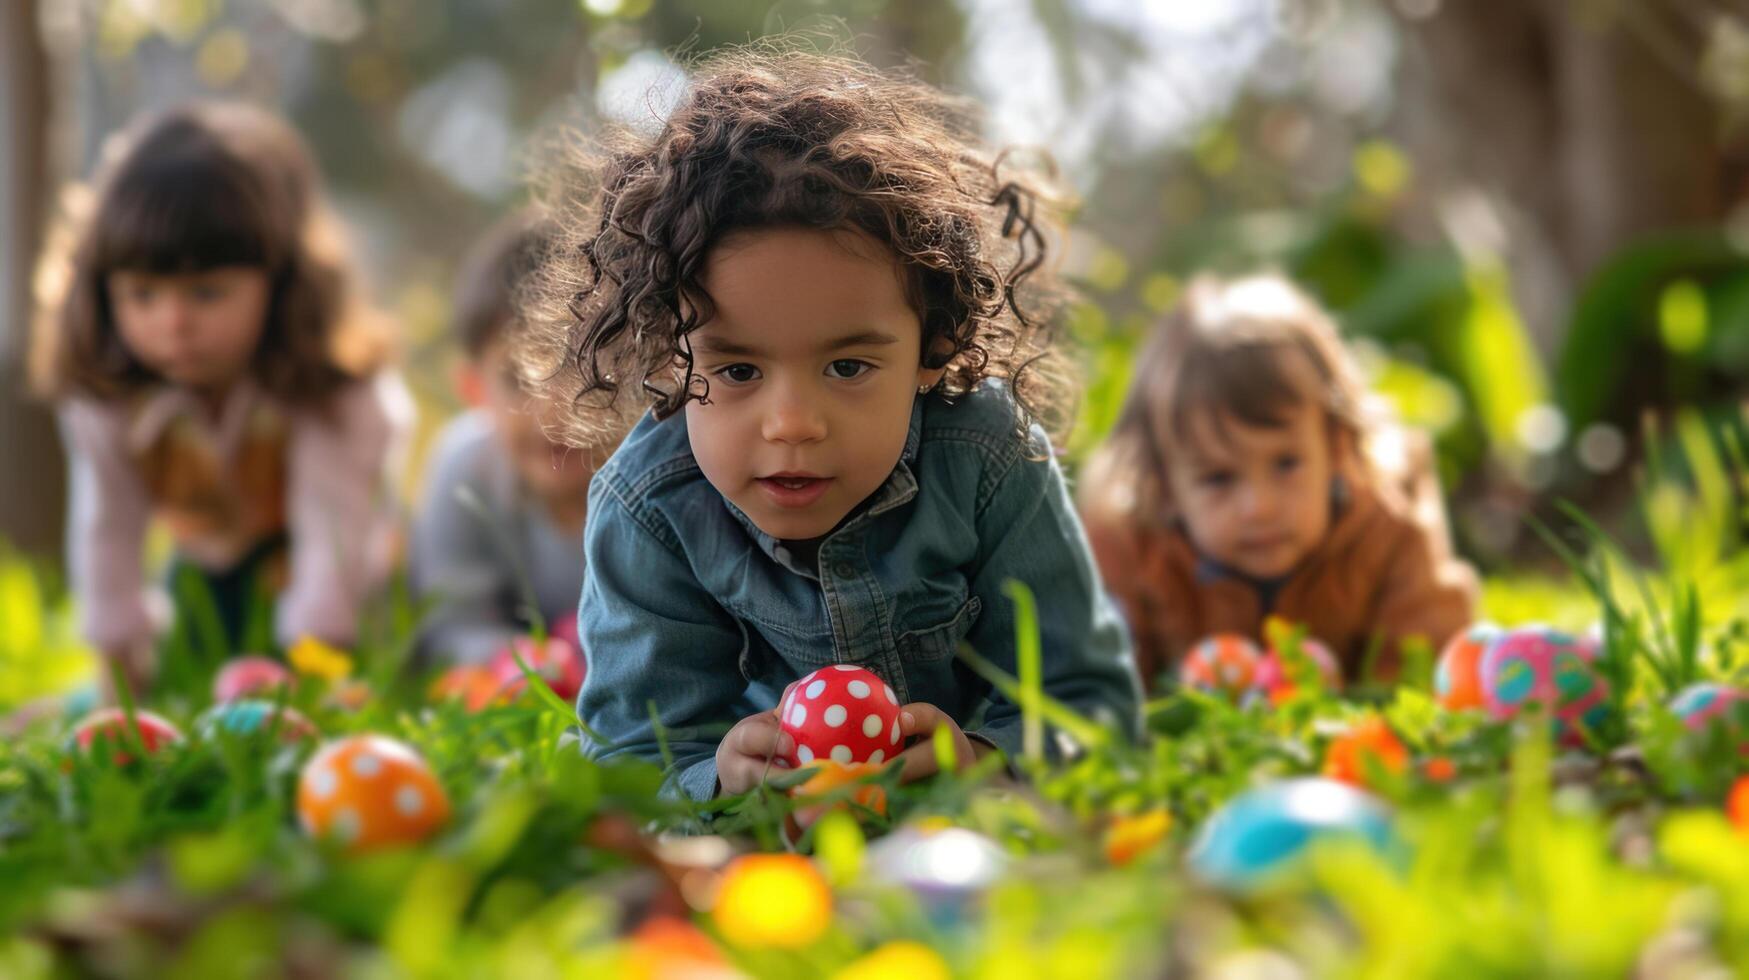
<point x="848" y="368"/>
<point x="1215" y="480"/>
<point x="738" y="374"/>
<point x="1287" y="463"/>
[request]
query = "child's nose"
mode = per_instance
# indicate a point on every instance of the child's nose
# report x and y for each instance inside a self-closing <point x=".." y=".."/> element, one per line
<point x="791" y="418"/>
<point x="175" y="317"/>
<point x="1259" y="502"/>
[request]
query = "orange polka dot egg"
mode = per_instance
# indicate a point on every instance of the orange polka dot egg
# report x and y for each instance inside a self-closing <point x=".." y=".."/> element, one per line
<point x="370" y="791"/>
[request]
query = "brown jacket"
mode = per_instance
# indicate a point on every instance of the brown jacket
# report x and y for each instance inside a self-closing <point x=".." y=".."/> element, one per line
<point x="1385" y="569"/>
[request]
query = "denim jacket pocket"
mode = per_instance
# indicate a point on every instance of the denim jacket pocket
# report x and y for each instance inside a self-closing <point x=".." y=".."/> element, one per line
<point x="773" y="650"/>
<point x="937" y="643"/>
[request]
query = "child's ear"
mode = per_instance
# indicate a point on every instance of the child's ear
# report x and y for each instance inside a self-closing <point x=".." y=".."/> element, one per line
<point x="469" y="384"/>
<point x="940" y="349"/>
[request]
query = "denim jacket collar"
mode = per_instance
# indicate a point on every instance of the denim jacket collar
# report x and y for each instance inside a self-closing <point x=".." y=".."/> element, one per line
<point x="900" y="487"/>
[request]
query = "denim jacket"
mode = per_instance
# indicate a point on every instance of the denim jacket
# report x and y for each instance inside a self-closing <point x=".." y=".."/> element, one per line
<point x="690" y="606"/>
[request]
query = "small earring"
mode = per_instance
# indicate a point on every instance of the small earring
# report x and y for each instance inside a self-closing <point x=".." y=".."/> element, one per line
<point x="924" y="389"/>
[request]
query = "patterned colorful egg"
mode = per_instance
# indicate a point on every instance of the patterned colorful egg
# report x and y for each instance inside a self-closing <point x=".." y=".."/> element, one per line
<point x="1531" y="664"/>
<point x="251" y="715"/>
<point x="109" y="727"/>
<point x="1457" y="682"/>
<point x="1225" y="663"/>
<point x="1260" y="837"/>
<point x="1699" y="705"/>
<point x="842" y="713"/>
<point x="370" y="791"/>
<point x="250" y="676"/>
<point x="1274" y="678"/>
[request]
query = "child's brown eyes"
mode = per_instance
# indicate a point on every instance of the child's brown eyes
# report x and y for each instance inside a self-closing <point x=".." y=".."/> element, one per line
<point x="844" y="369"/>
<point x="1287" y="464"/>
<point x="847" y="369"/>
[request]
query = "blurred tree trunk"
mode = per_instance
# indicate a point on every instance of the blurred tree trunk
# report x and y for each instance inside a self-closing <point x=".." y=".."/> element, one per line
<point x="31" y="467"/>
<point x="1570" y="127"/>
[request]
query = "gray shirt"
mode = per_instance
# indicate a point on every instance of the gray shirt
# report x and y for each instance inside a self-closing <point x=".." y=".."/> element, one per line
<point x="469" y="566"/>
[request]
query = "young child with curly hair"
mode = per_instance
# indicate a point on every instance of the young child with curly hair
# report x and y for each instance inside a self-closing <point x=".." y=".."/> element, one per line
<point x="820" y="284"/>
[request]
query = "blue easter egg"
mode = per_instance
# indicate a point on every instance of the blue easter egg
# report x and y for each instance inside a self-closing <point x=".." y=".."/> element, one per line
<point x="1260" y="836"/>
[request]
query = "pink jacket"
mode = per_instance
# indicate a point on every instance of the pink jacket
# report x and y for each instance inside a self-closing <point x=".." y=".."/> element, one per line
<point x="222" y="486"/>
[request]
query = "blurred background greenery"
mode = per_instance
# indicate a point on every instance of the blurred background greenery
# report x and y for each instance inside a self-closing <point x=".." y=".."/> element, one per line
<point x="1528" y="213"/>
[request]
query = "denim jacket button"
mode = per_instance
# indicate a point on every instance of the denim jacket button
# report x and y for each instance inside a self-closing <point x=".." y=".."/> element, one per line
<point x="843" y="569"/>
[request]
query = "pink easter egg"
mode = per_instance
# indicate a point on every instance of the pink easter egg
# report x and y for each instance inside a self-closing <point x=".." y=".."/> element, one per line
<point x="1532" y="664"/>
<point x="1707" y="702"/>
<point x="1275" y="679"/>
<point x="252" y="676"/>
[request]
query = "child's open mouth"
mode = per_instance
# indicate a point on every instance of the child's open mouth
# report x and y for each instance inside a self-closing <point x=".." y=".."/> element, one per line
<point x="792" y="489"/>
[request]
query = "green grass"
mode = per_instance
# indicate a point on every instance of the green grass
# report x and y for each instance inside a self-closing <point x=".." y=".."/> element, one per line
<point x="1528" y="863"/>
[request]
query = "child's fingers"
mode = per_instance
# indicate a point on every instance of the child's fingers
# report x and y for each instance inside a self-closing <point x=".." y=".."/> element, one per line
<point x="761" y="737"/>
<point x="923" y="718"/>
<point x="919" y="762"/>
<point x="920" y="720"/>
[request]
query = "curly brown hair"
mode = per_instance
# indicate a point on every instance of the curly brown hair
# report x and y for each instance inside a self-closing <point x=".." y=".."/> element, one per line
<point x="771" y="136"/>
<point x="200" y="187"/>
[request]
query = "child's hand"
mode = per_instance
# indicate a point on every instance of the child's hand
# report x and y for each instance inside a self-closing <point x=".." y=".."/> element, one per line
<point x="137" y="663"/>
<point x="921" y="719"/>
<point x="743" y="753"/>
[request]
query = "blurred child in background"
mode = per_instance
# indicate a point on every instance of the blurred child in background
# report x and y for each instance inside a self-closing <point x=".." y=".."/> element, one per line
<point x="1244" y="478"/>
<point x="501" y="524"/>
<point x="212" y="374"/>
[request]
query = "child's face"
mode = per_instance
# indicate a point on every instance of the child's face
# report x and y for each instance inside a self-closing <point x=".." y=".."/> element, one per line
<point x="551" y="471"/>
<point x="814" y="364"/>
<point x="198" y="329"/>
<point x="1256" y="499"/>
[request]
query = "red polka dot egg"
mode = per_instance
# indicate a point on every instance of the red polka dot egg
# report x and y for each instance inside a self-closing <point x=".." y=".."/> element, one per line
<point x="1225" y="663"/>
<point x="841" y="713"/>
<point x="369" y="791"/>
<point x="105" y="730"/>
<point x="249" y="676"/>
